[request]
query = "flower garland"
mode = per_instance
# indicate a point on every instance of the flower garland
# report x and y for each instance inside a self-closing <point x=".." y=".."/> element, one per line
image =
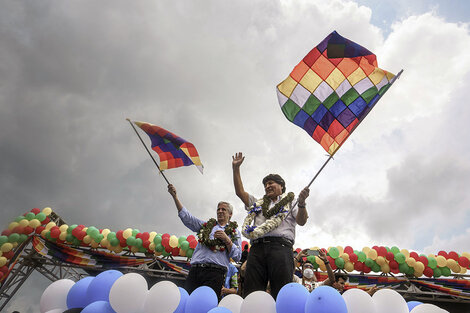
<point x="216" y="244"/>
<point x="274" y="216"/>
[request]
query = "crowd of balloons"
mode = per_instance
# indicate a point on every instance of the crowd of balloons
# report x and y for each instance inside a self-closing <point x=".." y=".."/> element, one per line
<point x="376" y="259"/>
<point x="113" y="292"/>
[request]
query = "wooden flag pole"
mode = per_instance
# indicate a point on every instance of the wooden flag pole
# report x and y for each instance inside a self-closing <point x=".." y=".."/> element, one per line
<point x="331" y="155"/>
<point x="161" y="172"/>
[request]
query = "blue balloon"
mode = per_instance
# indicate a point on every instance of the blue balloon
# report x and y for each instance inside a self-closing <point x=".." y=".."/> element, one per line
<point x="201" y="300"/>
<point x="412" y="304"/>
<point x="220" y="309"/>
<point x="325" y="299"/>
<point x="98" y="307"/>
<point x="184" y="297"/>
<point x="292" y="298"/>
<point x="77" y="298"/>
<point x="99" y="288"/>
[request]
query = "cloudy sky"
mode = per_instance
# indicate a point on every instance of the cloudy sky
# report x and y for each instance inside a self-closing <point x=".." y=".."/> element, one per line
<point x="71" y="72"/>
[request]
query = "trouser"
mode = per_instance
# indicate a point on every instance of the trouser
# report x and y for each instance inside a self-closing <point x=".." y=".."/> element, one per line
<point x="271" y="261"/>
<point x="205" y="275"/>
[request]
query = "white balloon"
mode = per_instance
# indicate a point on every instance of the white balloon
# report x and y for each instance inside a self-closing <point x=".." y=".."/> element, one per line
<point x="257" y="302"/>
<point x="232" y="302"/>
<point x="128" y="293"/>
<point x="358" y="301"/>
<point x="389" y="301"/>
<point x="55" y="311"/>
<point x="427" y="308"/>
<point x="163" y="297"/>
<point x="55" y="295"/>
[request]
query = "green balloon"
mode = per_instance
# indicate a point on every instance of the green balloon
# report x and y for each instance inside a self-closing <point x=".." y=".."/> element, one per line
<point x="114" y="242"/>
<point x="189" y="253"/>
<point x="14" y="237"/>
<point x="157" y="240"/>
<point x="311" y="259"/>
<point x="388" y="249"/>
<point x="76" y="242"/>
<point x="339" y="262"/>
<point x="19" y="218"/>
<point x="3" y="239"/>
<point x="30" y="216"/>
<point x="159" y="248"/>
<point x="98" y="238"/>
<point x="69" y="230"/>
<point x="410" y="271"/>
<point x="111" y="236"/>
<point x="164" y="253"/>
<point x="135" y="232"/>
<point x="445" y="271"/>
<point x="369" y="262"/>
<point x="40" y="216"/>
<point x="142" y="249"/>
<point x="181" y="240"/>
<point x="375" y="267"/>
<point x="432" y="263"/>
<point x="400" y="258"/>
<point x="138" y="242"/>
<point x="23" y="238"/>
<point x="131" y="241"/>
<point x="184" y="245"/>
<point x="437" y="272"/>
<point x="334" y="252"/>
<point x="395" y="250"/>
<point x="69" y="238"/>
<point x="361" y="256"/>
<point x="404" y="268"/>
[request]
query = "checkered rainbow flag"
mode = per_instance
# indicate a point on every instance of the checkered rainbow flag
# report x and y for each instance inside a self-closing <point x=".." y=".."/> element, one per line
<point x="332" y="89"/>
<point x="172" y="150"/>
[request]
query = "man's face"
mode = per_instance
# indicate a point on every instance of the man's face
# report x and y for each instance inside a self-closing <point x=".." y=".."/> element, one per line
<point x="272" y="189"/>
<point x="339" y="285"/>
<point x="223" y="214"/>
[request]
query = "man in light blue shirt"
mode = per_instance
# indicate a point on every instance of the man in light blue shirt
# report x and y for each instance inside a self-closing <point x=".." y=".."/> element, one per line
<point x="219" y="241"/>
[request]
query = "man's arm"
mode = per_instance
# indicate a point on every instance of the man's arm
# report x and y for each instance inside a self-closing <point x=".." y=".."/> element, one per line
<point x="172" y="191"/>
<point x="188" y="220"/>
<point x="237" y="160"/>
<point x="302" y="214"/>
<point x="331" y="276"/>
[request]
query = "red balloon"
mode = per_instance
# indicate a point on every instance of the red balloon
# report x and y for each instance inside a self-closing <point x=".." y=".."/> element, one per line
<point x="46" y="220"/>
<point x="6" y="232"/>
<point x="168" y="249"/>
<point x="192" y="244"/>
<point x="423" y="260"/>
<point x="464" y="262"/>
<point x="28" y="230"/>
<point x="382" y="251"/>
<point x="192" y="237"/>
<point x="359" y="266"/>
<point x="175" y="251"/>
<point x="123" y="242"/>
<point x="55" y="232"/>
<point x="428" y="272"/>
<point x="353" y="257"/>
<point x="145" y="236"/>
<point x="4" y="269"/>
<point x="119" y="235"/>
<point x="165" y="235"/>
<point x="453" y="255"/>
<point x="348" y="250"/>
<point x="414" y="255"/>
<point x="36" y="211"/>
<point x="393" y="265"/>
<point x="390" y="256"/>
<point x="39" y="229"/>
<point x="443" y="253"/>
<point x="395" y="271"/>
<point x="145" y="244"/>
<point x="298" y="250"/>
<point x="166" y="242"/>
<point x="9" y="254"/>
<point x="366" y="269"/>
<point x="18" y="230"/>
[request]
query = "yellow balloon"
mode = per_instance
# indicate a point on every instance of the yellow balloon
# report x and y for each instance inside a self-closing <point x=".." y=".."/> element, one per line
<point x="34" y="223"/>
<point x="12" y="225"/>
<point x="450" y="263"/>
<point x="43" y="233"/>
<point x="385" y="268"/>
<point x="3" y="261"/>
<point x="152" y="246"/>
<point x="118" y="249"/>
<point x="157" y="253"/>
<point x="173" y="241"/>
<point x="463" y="270"/>
<point x="63" y="228"/>
<point x="319" y="261"/>
<point x="418" y="274"/>
<point x="50" y="225"/>
<point x="105" y="232"/>
<point x="182" y="252"/>
<point x="127" y="233"/>
<point x="405" y="252"/>
<point x="85" y="229"/>
<point x="152" y="236"/>
<point x="441" y="261"/>
<point x="94" y="244"/>
<point x="6" y="247"/>
<point x="1" y="253"/>
<point x="134" y="249"/>
<point x="63" y="235"/>
<point x="366" y="250"/>
<point x="348" y="266"/>
<point x="323" y="267"/>
<point x="381" y="261"/>
<point x="345" y="257"/>
<point x="105" y="243"/>
<point x="456" y="268"/>
<point x="340" y="249"/>
<point x="87" y="239"/>
<point x="410" y="261"/>
<point x="23" y="223"/>
<point x="47" y="211"/>
<point x="419" y="267"/>
<point x="372" y="254"/>
<point x="314" y="248"/>
<point x="430" y="255"/>
<point x="466" y="254"/>
<point x="14" y="244"/>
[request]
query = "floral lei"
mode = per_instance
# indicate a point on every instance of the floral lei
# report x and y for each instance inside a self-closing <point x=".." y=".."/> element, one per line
<point x="216" y="244"/>
<point x="274" y="216"/>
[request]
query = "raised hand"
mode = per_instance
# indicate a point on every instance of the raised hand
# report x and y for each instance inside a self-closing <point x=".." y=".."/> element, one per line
<point x="322" y="255"/>
<point x="303" y="195"/>
<point x="237" y="160"/>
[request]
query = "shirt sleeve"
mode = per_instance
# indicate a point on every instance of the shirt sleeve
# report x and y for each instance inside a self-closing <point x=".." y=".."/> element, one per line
<point x="251" y="200"/>
<point x="189" y="220"/>
<point x="236" y="251"/>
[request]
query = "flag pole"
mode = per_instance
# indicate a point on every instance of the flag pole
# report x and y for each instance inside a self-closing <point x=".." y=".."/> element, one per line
<point x="161" y="172"/>
<point x="354" y="128"/>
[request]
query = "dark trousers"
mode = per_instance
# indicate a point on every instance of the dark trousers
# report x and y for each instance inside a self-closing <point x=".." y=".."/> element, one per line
<point x="211" y="277"/>
<point x="268" y="261"/>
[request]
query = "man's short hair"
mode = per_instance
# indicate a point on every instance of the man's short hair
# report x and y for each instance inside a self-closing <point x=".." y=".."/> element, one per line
<point x="276" y="178"/>
<point x="229" y="206"/>
<point x="341" y="275"/>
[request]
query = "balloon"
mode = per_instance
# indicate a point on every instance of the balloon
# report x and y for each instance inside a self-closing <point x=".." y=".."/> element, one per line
<point x="74" y="310"/>
<point x="201" y="300"/>
<point x="372" y="254"/>
<point x="183" y="298"/>
<point x="77" y="296"/>
<point x="349" y="266"/>
<point x="173" y="242"/>
<point x="333" y="252"/>
<point x="292" y="298"/>
<point x="427" y="308"/>
<point x="412" y="304"/>
<point x="258" y="301"/>
<point x="99" y="288"/>
<point x="358" y="301"/>
<point x="219" y="310"/>
<point x="389" y="301"/>
<point x="128" y="293"/>
<point x="463" y="261"/>
<point x="98" y="307"/>
<point x="55" y="295"/>
<point x="339" y="262"/>
<point x="325" y="299"/>
<point x="55" y="311"/>
<point x="233" y="302"/>
<point x="163" y="297"/>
